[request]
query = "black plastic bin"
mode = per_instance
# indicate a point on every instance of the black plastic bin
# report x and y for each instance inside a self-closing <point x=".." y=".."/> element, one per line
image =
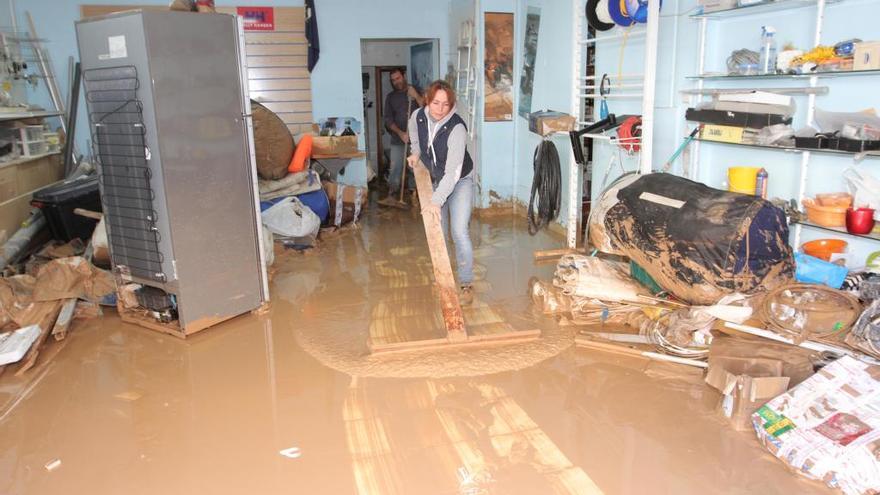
<point x="58" y="202"/>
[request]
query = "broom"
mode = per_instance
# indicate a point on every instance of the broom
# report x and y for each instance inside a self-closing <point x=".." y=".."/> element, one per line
<point x="400" y="203"/>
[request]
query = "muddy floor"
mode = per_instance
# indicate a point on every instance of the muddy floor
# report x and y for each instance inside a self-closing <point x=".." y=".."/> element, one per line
<point x="291" y="401"/>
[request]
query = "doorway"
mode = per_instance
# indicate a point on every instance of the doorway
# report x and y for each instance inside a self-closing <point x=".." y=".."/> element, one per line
<point x="419" y="60"/>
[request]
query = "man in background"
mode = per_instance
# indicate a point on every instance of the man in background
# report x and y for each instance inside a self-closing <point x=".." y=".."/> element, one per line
<point x="399" y="104"/>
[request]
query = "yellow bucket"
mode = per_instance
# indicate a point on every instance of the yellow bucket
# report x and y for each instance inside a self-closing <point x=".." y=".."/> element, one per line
<point x="742" y="179"/>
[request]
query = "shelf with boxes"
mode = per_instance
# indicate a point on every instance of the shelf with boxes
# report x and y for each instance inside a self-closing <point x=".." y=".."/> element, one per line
<point x="765" y="123"/>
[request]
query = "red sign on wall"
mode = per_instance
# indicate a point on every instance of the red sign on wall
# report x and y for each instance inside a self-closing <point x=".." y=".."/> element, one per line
<point x="258" y="18"/>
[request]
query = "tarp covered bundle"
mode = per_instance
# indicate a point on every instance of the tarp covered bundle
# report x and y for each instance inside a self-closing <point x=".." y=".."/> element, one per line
<point x="697" y="242"/>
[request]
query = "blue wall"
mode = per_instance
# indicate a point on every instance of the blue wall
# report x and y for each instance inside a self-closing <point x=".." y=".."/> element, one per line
<point x="336" y="81"/>
<point x="508" y="147"/>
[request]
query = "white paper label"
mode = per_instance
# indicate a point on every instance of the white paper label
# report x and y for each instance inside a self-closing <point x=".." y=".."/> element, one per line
<point x="661" y="200"/>
<point x="117" y="47"/>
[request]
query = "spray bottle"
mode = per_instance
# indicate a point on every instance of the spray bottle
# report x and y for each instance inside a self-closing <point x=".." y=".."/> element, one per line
<point x="767" y="62"/>
<point x="761" y="183"/>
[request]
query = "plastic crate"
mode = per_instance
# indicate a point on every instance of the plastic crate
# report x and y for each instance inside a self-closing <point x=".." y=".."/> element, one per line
<point x="58" y="202"/>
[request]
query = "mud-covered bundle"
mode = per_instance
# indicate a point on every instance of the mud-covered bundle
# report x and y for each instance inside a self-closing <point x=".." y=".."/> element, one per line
<point x="698" y="243"/>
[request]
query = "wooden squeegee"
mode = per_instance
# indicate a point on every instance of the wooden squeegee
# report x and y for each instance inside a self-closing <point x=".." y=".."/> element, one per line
<point x="450" y="308"/>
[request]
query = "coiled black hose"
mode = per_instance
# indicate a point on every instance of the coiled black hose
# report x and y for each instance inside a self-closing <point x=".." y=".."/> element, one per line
<point x="546" y="197"/>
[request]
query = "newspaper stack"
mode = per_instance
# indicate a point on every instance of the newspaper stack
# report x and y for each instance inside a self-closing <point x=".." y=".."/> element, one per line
<point x="828" y="427"/>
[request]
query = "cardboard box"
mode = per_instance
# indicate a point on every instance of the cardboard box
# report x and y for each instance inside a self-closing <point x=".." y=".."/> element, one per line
<point x="334" y="145"/>
<point x="354" y="200"/>
<point x="745" y="384"/>
<point x="722" y="133"/>
<point x="867" y="56"/>
<point x="548" y="122"/>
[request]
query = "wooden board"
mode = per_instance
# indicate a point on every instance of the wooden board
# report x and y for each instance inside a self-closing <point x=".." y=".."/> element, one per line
<point x="396" y="335"/>
<point x="24" y="176"/>
<point x="449" y="304"/>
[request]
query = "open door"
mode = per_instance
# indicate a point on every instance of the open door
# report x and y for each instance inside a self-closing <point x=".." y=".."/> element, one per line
<point x="424" y="63"/>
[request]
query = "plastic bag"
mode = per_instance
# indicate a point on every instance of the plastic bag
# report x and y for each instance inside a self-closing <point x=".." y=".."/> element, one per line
<point x="812" y="270"/>
<point x="290" y="218"/>
<point x="865" y="189"/>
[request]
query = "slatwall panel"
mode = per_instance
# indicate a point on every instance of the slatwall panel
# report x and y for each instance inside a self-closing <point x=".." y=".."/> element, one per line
<point x="278" y="75"/>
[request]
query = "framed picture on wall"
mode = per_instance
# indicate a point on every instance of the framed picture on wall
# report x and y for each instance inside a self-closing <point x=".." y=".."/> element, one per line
<point x="530" y="52"/>
<point x="498" y="59"/>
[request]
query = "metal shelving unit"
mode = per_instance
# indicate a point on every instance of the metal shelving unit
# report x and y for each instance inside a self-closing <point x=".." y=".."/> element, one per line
<point x="791" y="149"/>
<point x="4" y="116"/>
<point x="839" y="230"/>
<point x="584" y="82"/>
<point x="820" y="75"/>
<point x="810" y="90"/>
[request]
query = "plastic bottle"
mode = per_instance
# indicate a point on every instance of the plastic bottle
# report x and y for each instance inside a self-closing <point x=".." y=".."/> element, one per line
<point x="761" y="183"/>
<point x="767" y="62"/>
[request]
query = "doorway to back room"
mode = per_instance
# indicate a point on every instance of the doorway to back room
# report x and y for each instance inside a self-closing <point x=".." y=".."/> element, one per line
<point x="418" y="61"/>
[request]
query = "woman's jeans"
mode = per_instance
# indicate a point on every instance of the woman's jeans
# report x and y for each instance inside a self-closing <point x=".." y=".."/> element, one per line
<point x="458" y="209"/>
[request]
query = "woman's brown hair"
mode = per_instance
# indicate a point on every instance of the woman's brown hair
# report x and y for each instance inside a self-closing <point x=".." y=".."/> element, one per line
<point x="437" y="86"/>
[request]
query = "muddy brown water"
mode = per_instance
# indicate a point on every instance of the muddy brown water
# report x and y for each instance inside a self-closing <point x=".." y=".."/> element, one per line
<point x="290" y="401"/>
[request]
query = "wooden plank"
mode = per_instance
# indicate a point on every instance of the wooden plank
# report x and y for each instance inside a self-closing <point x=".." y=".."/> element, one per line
<point x="279" y="84"/>
<point x="293" y="95"/>
<point x="550" y="254"/>
<point x="276" y="50"/>
<point x="270" y="38"/>
<point x="449" y="305"/>
<point x="343" y="156"/>
<point x="278" y="73"/>
<point x="65" y="316"/>
<point x="25" y="176"/>
<point x="289" y="107"/>
<point x="277" y="61"/>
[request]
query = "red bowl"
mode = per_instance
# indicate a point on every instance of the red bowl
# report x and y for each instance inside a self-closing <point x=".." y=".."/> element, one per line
<point x="859" y="220"/>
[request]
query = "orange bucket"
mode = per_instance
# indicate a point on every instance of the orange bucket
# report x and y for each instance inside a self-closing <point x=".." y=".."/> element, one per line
<point x="826" y="216"/>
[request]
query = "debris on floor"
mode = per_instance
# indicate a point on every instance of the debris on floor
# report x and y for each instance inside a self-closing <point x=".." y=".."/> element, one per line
<point x="828" y="427"/>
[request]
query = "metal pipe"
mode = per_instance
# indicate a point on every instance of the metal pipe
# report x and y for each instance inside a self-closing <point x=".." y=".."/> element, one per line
<point x="54" y="93"/>
<point x="650" y="83"/>
<point x="811" y="114"/>
<point x="69" y="148"/>
<point x="694" y="160"/>
<point x="574" y="168"/>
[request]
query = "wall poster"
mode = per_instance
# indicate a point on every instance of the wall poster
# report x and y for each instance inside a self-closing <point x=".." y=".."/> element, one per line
<point x="530" y="52"/>
<point x="498" y="59"/>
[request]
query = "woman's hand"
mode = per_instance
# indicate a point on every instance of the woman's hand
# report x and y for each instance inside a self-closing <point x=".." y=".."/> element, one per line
<point x="411" y="160"/>
<point x="431" y="210"/>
